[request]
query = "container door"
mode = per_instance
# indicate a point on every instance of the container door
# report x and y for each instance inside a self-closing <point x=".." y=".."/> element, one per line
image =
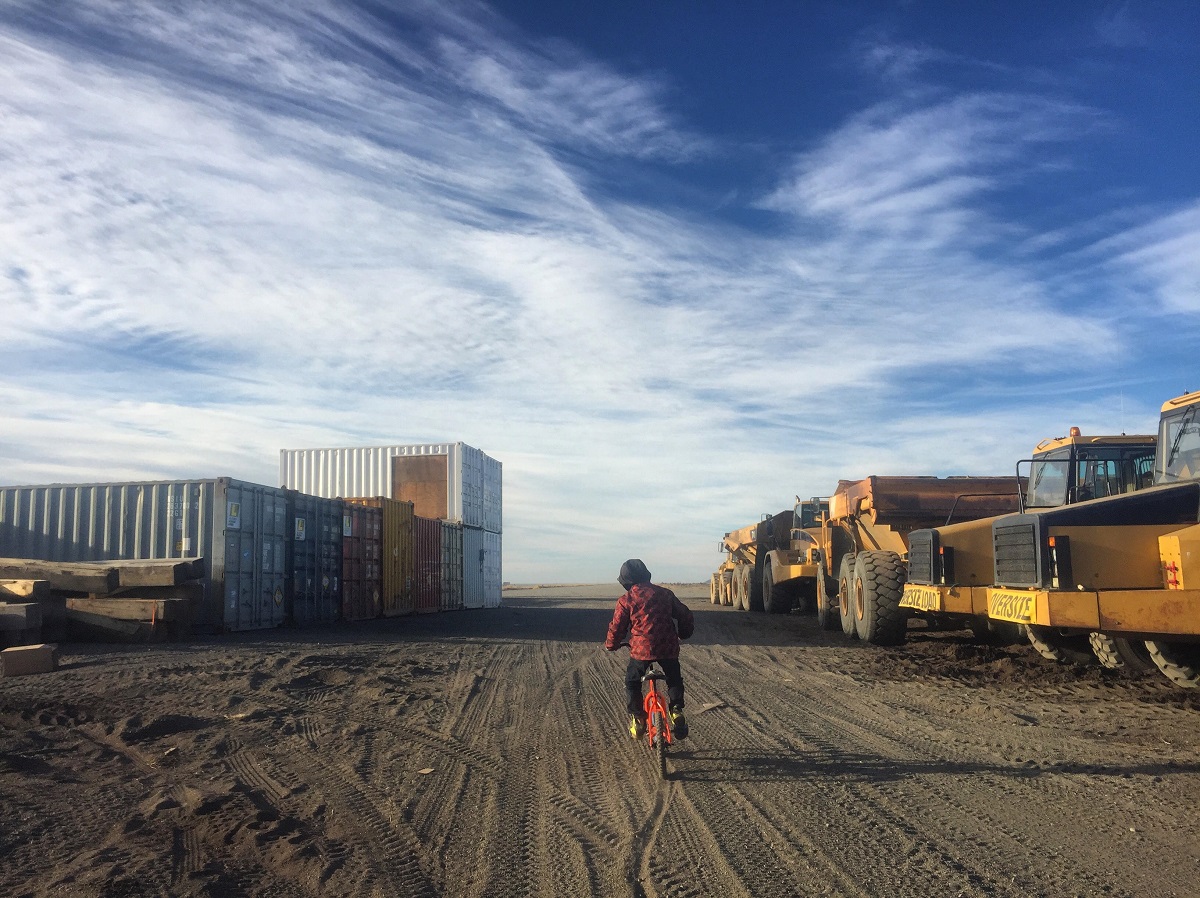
<point x="492" y="582"/>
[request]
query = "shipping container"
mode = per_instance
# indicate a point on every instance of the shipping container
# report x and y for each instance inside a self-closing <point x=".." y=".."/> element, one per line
<point x="493" y="584"/>
<point x="362" y="540"/>
<point x="492" y="517"/>
<point x="447" y="481"/>
<point x="427" y="555"/>
<point x="240" y="530"/>
<point x="314" y="559"/>
<point x="481" y="568"/>
<point x="472" y="567"/>
<point x="452" y="566"/>
<point x="396" y="573"/>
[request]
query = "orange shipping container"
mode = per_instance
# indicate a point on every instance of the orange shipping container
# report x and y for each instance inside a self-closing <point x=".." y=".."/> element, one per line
<point x="396" y="554"/>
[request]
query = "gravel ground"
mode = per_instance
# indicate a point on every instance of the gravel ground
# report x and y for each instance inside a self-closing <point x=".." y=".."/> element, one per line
<point x="482" y="753"/>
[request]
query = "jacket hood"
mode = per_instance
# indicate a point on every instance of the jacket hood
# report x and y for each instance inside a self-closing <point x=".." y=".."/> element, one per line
<point x="633" y="572"/>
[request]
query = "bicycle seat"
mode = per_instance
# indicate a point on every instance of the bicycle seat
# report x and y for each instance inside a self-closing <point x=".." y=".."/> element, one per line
<point x="654" y="673"/>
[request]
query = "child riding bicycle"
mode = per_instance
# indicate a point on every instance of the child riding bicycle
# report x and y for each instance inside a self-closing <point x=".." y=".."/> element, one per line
<point x="652" y="620"/>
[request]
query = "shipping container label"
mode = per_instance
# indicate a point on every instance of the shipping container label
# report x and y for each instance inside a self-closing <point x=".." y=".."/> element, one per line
<point x="278" y="596"/>
<point x="233" y="516"/>
<point x="347" y="525"/>
<point x="300" y="522"/>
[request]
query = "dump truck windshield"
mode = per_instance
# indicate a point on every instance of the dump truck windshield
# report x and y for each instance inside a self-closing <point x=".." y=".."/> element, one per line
<point x="1048" y="477"/>
<point x="1076" y="474"/>
<point x="1179" y="442"/>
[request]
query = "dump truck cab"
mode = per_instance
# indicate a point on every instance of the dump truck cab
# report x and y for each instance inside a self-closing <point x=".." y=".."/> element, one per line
<point x="950" y="567"/>
<point x="790" y="555"/>
<point x="1122" y="566"/>
<point x="1076" y="468"/>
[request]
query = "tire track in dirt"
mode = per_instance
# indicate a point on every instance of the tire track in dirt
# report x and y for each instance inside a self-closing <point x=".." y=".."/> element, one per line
<point x="845" y="813"/>
<point x="894" y="799"/>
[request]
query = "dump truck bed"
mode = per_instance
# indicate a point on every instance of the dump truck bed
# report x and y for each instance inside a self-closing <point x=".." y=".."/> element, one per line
<point x="909" y="503"/>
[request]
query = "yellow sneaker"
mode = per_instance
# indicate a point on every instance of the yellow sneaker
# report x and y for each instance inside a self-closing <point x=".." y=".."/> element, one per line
<point x="679" y="727"/>
<point x="637" y="726"/>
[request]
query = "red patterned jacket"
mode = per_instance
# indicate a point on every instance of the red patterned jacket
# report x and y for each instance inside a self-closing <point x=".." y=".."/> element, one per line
<point x="646" y="616"/>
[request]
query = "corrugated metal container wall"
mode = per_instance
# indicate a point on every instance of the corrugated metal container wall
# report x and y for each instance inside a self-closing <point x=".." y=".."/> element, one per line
<point x="449" y="481"/>
<point x="396" y="560"/>
<point x="427" y="553"/>
<point x="472" y="567"/>
<point x="238" y="528"/>
<point x="493" y="495"/>
<point x="452" y="566"/>
<point x="314" y="565"/>
<point x="493" y="584"/>
<point x="362" y="538"/>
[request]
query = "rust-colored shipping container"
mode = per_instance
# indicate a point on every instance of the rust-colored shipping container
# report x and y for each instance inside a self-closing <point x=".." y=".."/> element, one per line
<point x="396" y="561"/>
<point x="427" y="555"/>
<point x="362" y="538"/>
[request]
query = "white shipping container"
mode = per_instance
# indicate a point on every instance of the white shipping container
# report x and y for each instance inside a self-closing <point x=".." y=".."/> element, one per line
<point x="481" y="568"/>
<point x="493" y="582"/>
<point x="472" y="568"/>
<point x="472" y="484"/>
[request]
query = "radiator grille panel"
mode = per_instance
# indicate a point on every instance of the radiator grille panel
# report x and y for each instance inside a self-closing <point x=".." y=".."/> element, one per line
<point x="921" y="547"/>
<point x="1017" y="557"/>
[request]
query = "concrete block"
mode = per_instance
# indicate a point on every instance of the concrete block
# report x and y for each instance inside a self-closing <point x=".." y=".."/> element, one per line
<point x="29" y="659"/>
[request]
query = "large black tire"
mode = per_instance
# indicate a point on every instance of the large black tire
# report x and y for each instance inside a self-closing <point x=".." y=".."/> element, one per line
<point x="827" y="601"/>
<point x="1117" y="653"/>
<point x="846" y="597"/>
<point x="1179" y="661"/>
<point x="878" y="589"/>
<point x="1063" y="648"/>
<point x="778" y="598"/>
<point x="741" y="587"/>
<point x="754" y="590"/>
<point x="714" y="589"/>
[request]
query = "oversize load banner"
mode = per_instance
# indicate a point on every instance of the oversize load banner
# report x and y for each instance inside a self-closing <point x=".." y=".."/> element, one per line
<point x="1017" y="607"/>
<point x="921" y="598"/>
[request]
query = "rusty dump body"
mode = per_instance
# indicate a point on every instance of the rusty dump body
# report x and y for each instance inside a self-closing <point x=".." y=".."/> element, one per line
<point x="903" y="504"/>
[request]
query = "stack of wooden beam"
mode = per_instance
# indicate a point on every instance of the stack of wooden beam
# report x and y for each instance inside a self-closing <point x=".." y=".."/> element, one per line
<point x="129" y="600"/>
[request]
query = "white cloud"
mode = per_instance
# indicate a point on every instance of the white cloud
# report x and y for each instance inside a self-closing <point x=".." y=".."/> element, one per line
<point x="226" y="230"/>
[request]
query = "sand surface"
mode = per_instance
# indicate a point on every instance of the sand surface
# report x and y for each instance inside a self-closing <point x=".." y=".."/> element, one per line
<point x="482" y="753"/>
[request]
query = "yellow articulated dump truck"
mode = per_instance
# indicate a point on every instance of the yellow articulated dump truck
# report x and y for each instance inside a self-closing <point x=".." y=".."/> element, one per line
<point x="1125" y="567"/>
<point x="769" y="566"/>
<point x="845" y="553"/>
<point x="951" y="567"/>
<point x="862" y="543"/>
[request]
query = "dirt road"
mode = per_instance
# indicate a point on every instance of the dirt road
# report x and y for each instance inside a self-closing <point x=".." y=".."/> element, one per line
<point x="483" y="754"/>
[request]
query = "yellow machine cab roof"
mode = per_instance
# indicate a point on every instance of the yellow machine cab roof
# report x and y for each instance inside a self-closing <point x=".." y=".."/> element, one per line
<point x="1075" y="438"/>
<point x="1181" y="401"/>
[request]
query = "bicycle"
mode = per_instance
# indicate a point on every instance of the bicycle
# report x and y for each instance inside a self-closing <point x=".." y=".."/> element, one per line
<point x="658" y="719"/>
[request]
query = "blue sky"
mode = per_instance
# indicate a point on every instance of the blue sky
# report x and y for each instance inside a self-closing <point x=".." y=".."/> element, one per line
<point x="672" y="263"/>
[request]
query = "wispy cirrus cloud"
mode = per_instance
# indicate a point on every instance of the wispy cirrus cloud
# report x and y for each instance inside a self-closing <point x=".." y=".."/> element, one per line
<point x="229" y="228"/>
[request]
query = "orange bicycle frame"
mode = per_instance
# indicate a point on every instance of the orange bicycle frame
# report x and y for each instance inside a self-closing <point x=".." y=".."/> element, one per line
<point x="653" y="703"/>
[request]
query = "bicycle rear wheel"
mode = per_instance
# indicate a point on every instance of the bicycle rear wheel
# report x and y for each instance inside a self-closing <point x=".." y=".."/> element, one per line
<point x="660" y="745"/>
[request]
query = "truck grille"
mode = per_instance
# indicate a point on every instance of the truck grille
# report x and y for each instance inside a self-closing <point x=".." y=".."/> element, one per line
<point x="922" y="547"/>
<point x="1018" y="561"/>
